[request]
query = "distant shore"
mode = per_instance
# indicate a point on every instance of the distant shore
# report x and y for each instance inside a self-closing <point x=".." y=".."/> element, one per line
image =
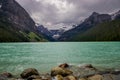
<point x="65" y="72"/>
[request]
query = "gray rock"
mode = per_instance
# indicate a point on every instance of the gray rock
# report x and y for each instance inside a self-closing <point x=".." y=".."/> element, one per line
<point x="7" y="74"/>
<point x="29" y="72"/>
<point x="34" y="77"/>
<point x="60" y="71"/>
<point x="65" y="65"/>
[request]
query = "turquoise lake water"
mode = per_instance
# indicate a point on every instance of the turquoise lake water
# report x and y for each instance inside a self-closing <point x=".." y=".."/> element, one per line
<point x="15" y="57"/>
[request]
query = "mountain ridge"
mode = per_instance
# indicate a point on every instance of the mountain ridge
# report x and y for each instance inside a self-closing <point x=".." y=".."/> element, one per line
<point x="107" y="31"/>
<point x="16" y="25"/>
<point x="93" y="20"/>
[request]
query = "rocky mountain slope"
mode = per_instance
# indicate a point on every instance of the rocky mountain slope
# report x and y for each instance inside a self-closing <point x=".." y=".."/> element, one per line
<point x="107" y="31"/>
<point x="102" y="21"/>
<point x="44" y="31"/>
<point x="16" y="24"/>
<point x="51" y="35"/>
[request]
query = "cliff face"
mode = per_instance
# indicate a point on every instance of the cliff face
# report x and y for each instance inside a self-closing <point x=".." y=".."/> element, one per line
<point x="17" y="15"/>
<point x="16" y="20"/>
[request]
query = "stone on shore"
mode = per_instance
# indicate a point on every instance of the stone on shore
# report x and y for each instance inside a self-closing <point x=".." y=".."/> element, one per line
<point x="6" y="74"/>
<point x="60" y="71"/>
<point x="58" y="77"/>
<point x="107" y="76"/>
<point x="83" y="79"/>
<point x="29" y="72"/>
<point x="70" y="78"/>
<point x="34" y="77"/>
<point x="96" y="77"/>
<point x="65" y="65"/>
<point x="89" y="66"/>
<point x="66" y="72"/>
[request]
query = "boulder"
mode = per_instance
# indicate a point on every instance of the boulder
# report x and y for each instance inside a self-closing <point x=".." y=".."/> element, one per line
<point x="65" y="65"/>
<point x="13" y="79"/>
<point x="5" y="76"/>
<point x="46" y="76"/>
<point x="19" y="79"/>
<point x="60" y="71"/>
<point x="70" y="78"/>
<point x="46" y="79"/>
<point x="89" y="66"/>
<point x="29" y="72"/>
<point x="96" y="77"/>
<point x="59" y="77"/>
<point x="83" y="79"/>
<point x="34" y="77"/>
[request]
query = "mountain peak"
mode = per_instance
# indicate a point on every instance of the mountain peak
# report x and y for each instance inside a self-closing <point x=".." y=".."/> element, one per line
<point x="95" y="13"/>
<point x="116" y="15"/>
<point x="118" y="12"/>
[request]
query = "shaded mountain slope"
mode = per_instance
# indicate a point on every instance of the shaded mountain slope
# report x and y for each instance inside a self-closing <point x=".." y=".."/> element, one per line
<point x="90" y="22"/>
<point x="107" y="31"/>
<point x="16" y="24"/>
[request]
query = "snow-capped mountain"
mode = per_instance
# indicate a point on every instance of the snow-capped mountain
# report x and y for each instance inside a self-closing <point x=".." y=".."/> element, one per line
<point x="0" y="5"/>
<point x="115" y="15"/>
<point x="94" y="19"/>
<point x="53" y="33"/>
<point x="62" y="31"/>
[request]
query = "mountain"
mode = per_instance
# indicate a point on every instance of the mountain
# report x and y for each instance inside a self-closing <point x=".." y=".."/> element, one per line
<point x="116" y="15"/>
<point x="57" y="33"/>
<point x="16" y="24"/>
<point x="107" y="31"/>
<point x="52" y="34"/>
<point x="44" y="31"/>
<point x="87" y="24"/>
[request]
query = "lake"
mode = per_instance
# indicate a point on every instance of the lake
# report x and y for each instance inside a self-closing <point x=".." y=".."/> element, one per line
<point x="15" y="57"/>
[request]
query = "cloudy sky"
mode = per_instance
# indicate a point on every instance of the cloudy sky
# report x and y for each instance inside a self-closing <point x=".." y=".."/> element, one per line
<point x="64" y="13"/>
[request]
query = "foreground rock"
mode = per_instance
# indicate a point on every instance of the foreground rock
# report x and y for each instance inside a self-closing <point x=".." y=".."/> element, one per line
<point x="102" y="77"/>
<point x="70" y="78"/>
<point x="34" y="77"/>
<point x="58" y="77"/>
<point x="60" y="71"/>
<point x="29" y="72"/>
<point x="5" y="75"/>
<point x="96" y="77"/>
<point x="66" y="72"/>
<point x="65" y="65"/>
<point x="88" y="66"/>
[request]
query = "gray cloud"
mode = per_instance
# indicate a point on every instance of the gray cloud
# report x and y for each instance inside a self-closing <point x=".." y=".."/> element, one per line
<point x="53" y="12"/>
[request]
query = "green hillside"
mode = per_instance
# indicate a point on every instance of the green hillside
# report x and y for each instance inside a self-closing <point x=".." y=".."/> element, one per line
<point x="8" y="34"/>
<point x="108" y="31"/>
<point x="16" y="25"/>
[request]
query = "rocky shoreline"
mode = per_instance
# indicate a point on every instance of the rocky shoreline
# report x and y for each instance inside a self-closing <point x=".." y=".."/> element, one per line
<point x="65" y="72"/>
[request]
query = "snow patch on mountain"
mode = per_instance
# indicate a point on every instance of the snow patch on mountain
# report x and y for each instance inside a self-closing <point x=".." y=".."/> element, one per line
<point x="114" y="14"/>
<point x="56" y="36"/>
<point x="0" y="5"/>
<point x="60" y="26"/>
